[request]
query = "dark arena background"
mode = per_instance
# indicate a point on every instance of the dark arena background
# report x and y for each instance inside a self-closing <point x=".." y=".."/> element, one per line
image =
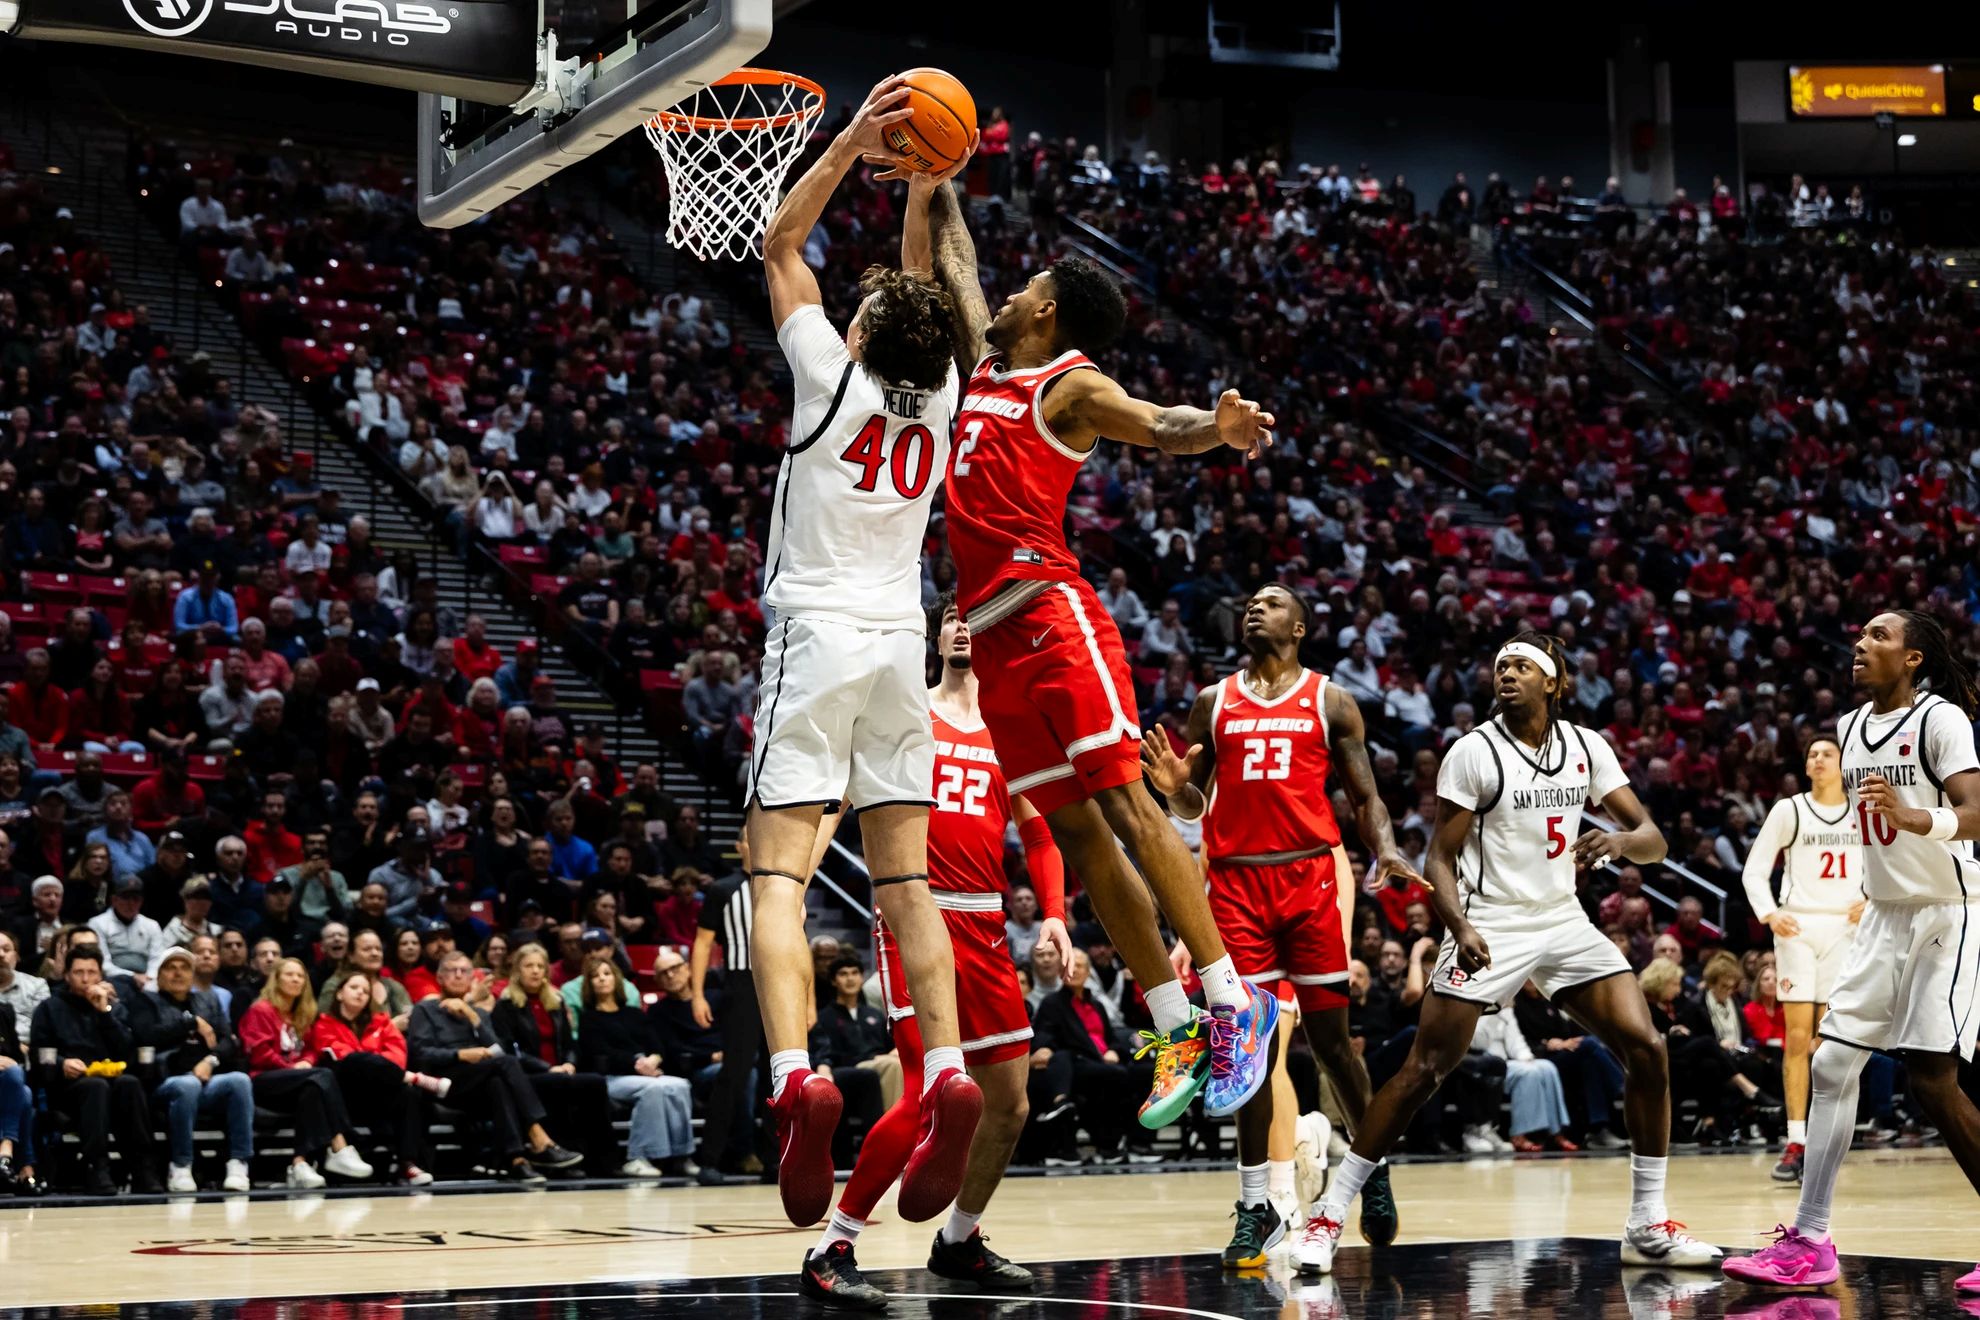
<point x="389" y="480"/>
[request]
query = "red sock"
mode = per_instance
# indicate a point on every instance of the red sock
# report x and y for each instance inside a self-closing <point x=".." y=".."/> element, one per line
<point x="885" y="1151"/>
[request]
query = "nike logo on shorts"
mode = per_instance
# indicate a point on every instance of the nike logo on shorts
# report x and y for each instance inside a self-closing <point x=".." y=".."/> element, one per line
<point x="1039" y="638"/>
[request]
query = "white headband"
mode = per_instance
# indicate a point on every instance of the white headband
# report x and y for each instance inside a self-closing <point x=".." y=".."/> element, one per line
<point x="1528" y="651"/>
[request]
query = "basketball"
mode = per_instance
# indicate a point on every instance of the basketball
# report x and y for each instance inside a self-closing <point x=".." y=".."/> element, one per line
<point x="944" y="121"/>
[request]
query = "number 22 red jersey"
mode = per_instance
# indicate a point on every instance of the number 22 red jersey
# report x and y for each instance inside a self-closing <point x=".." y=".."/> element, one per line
<point x="972" y="811"/>
<point x="1009" y="480"/>
<point x="1270" y="794"/>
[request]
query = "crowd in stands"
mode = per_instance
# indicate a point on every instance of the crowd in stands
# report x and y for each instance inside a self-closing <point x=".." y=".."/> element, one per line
<point x="216" y="686"/>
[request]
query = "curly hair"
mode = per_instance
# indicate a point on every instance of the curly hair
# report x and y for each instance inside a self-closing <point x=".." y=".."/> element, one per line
<point x="1091" y="311"/>
<point x="910" y="328"/>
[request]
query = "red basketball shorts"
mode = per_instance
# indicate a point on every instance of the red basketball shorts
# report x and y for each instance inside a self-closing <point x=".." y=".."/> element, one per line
<point x="1058" y="698"/>
<point x="1282" y="922"/>
<point x="989" y="1001"/>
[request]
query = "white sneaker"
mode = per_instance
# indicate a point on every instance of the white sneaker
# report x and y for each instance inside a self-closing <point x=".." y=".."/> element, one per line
<point x="415" y="1176"/>
<point x="1666" y="1244"/>
<point x="1312" y="1135"/>
<point x="178" y="1178"/>
<point x="1477" y="1143"/>
<point x="1499" y="1143"/>
<point x="638" y="1169"/>
<point x="1314" y="1252"/>
<point x="1291" y="1213"/>
<point x="347" y="1163"/>
<point x="303" y="1178"/>
<point x="237" y="1179"/>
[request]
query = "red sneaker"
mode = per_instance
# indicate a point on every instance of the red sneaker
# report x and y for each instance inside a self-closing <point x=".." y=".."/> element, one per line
<point x="950" y="1107"/>
<point x="807" y="1114"/>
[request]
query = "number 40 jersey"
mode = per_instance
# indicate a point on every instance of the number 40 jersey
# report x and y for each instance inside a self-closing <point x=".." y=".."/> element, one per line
<point x="1270" y="794"/>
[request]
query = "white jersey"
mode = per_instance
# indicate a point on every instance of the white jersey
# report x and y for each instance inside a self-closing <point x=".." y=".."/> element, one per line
<point x="1527" y="808"/>
<point x="851" y="508"/>
<point x="1823" y="851"/>
<point x="1916" y="749"/>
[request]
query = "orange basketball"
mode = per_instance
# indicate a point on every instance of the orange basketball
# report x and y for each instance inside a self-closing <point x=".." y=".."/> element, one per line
<point x="944" y="121"/>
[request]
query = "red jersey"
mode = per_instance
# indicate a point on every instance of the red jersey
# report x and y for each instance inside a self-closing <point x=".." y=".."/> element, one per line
<point x="1009" y="480"/>
<point x="1270" y="793"/>
<point x="972" y="811"/>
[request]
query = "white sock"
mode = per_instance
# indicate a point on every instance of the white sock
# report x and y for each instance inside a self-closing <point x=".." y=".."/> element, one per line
<point x="1221" y="985"/>
<point x="782" y="1064"/>
<point x="941" y="1059"/>
<point x="961" y="1224"/>
<point x="841" y="1228"/>
<point x="1252" y="1183"/>
<point x="1646" y="1189"/>
<point x="1279" y="1177"/>
<point x="1797" y="1131"/>
<point x="1347" y="1184"/>
<point x="1169" y="1006"/>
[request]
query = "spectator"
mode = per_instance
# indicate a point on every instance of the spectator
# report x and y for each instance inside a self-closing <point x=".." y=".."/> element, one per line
<point x="322" y="892"/>
<point x="20" y="993"/>
<point x="131" y="941"/>
<point x="83" y="1026"/>
<point x="1023" y="926"/>
<point x="34" y="934"/>
<point x="17" y="1153"/>
<point x="535" y="1023"/>
<point x="275" y="1035"/>
<point x="130" y="852"/>
<point x="1589" y="1074"/>
<point x="409" y="879"/>
<point x="359" y="1044"/>
<point x="1539" y="1109"/>
<point x="38" y="706"/>
<point x="202" y="217"/>
<point x="237" y="897"/>
<point x="1081" y="1052"/>
<point x="227" y="706"/>
<point x="195" y="908"/>
<point x="1691" y="930"/>
<point x="619" y="1043"/>
<point x="205" y="609"/>
<point x="366" y="957"/>
<point x="200" y="1062"/>
<point x="1121" y="602"/>
<point x="1165" y="636"/>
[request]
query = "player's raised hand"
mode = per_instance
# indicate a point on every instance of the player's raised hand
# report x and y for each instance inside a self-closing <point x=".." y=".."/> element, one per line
<point x="1167" y="771"/>
<point x="1242" y="424"/>
<point x="1597" y="847"/>
<point x="1052" y="931"/>
<point x="886" y="105"/>
<point x="1876" y="793"/>
<point x="892" y="167"/>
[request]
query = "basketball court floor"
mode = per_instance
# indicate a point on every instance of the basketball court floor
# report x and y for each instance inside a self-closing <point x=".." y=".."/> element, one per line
<point x="1483" y="1237"/>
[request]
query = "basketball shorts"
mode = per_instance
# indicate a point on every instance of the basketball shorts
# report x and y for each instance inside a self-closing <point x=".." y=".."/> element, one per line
<point x="1910" y="981"/>
<point x="1554" y="945"/>
<point x="1282" y="922"/>
<point x="842" y="712"/>
<point x="1058" y="697"/>
<point x="1806" y="966"/>
<point x="990" y="1006"/>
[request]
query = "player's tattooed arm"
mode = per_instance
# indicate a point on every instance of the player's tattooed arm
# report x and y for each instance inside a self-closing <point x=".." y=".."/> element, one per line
<point x="955" y="267"/>
<point x="1440" y="870"/>
<point x="1183" y="780"/>
<point x="1085" y="406"/>
<point x="1347" y="742"/>
<point x="1639" y="840"/>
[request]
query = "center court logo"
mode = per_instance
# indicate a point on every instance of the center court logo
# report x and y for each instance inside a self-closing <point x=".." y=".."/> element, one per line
<point x="169" y="18"/>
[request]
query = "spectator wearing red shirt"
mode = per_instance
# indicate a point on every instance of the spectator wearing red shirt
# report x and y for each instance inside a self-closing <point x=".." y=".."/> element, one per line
<point x="266" y="670"/>
<point x="1766" y="1020"/>
<point x="1691" y="930"/>
<point x="478" y="725"/>
<point x="436" y="941"/>
<point x="1711" y="578"/>
<point x="271" y="846"/>
<point x="1396" y="896"/>
<point x="475" y="657"/>
<point x="39" y="707"/>
<point x="167" y="799"/>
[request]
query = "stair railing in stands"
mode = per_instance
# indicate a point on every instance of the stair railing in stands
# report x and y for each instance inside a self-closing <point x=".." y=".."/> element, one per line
<point x="1691" y="878"/>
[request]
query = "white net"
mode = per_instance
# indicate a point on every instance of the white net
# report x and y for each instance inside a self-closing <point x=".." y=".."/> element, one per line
<point x="726" y="150"/>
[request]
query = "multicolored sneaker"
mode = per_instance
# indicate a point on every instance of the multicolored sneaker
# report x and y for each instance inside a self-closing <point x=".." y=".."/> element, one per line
<point x="1380" y="1220"/>
<point x="1789" y="1169"/>
<point x="1314" y="1252"/>
<point x="1182" y="1066"/>
<point x="1666" y="1243"/>
<point x="1240" y="1052"/>
<point x="832" y="1276"/>
<point x="1793" y="1261"/>
<point x="1969" y="1282"/>
<point x="1259" y="1229"/>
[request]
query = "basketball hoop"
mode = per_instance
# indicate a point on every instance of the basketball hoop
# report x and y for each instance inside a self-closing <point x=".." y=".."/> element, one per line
<point x="726" y="150"/>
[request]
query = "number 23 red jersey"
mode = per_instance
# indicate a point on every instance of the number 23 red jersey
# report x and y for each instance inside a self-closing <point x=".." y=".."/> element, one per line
<point x="1009" y="480"/>
<point x="972" y="811"/>
<point x="1270" y="793"/>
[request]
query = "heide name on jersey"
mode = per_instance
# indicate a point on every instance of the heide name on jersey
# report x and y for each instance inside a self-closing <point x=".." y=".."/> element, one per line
<point x="851" y="507"/>
<point x="1007" y="491"/>
<point x="1916" y="750"/>
<point x="1269" y="796"/>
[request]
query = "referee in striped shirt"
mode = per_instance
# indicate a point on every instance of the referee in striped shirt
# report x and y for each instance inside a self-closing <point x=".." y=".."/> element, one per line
<point x="726" y="919"/>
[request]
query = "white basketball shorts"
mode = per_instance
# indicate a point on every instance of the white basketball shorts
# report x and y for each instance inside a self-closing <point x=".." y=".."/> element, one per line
<point x="1807" y="966"/>
<point x="1911" y="980"/>
<point x="1554" y="945"/>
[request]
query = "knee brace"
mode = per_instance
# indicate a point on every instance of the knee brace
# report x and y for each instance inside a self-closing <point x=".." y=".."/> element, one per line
<point x="879" y="881"/>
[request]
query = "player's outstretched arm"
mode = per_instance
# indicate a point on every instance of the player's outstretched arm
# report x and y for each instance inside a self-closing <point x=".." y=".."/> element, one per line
<point x="1347" y="743"/>
<point x="1639" y="840"/>
<point x="955" y="266"/>
<point x="917" y="247"/>
<point x="792" y="285"/>
<point x="1085" y="405"/>
<point x="1183" y="781"/>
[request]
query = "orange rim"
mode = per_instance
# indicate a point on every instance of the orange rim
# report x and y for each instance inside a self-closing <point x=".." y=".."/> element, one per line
<point x="673" y="122"/>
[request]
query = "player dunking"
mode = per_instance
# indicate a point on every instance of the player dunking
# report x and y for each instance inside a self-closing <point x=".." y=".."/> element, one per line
<point x="1911" y="985"/>
<point x="966" y="870"/>
<point x="1059" y="698"/>
<point x="1260" y="744"/>
<point x="1502" y="875"/>
<point x="1821" y="902"/>
<point x="843" y="705"/>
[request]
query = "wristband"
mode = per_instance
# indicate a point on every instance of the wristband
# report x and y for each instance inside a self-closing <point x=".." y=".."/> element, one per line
<point x="1046" y="864"/>
<point x="1945" y="822"/>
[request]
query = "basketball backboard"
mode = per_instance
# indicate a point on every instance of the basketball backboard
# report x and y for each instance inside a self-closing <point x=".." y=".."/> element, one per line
<point x="604" y="67"/>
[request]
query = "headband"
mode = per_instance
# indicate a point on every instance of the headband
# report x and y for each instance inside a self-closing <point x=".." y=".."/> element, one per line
<point x="1528" y="651"/>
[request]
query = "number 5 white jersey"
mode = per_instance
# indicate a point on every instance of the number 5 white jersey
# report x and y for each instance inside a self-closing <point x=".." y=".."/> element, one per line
<point x="1916" y="749"/>
<point x="851" y="508"/>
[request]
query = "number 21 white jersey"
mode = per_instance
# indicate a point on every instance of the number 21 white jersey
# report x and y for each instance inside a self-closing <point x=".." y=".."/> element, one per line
<point x="1823" y="852"/>
<point x="851" y="507"/>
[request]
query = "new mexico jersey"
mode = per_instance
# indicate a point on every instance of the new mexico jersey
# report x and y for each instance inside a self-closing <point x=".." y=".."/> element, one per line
<point x="1009" y="480"/>
<point x="851" y="507"/>
<point x="1916" y="749"/>
<point x="972" y="811"/>
<point x="1822" y="858"/>
<point x="1527" y="806"/>
<point x="1270" y="794"/>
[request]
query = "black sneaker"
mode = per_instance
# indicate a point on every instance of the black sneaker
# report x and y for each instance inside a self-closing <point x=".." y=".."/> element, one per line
<point x="832" y="1276"/>
<point x="523" y="1174"/>
<point x="1380" y="1221"/>
<point x="972" y="1261"/>
<point x="554" y="1156"/>
<point x="1259" y="1229"/>
<point x="100" y="1183"/>
<point x="146" y="1182"/>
